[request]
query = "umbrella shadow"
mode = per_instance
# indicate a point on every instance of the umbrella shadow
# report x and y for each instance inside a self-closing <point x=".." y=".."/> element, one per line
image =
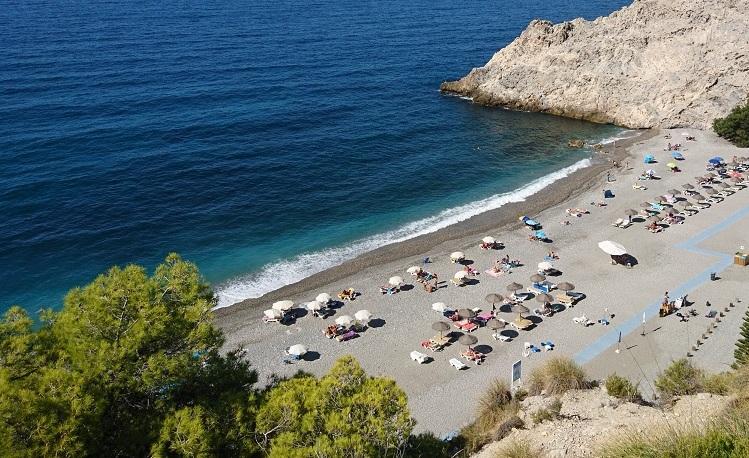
<point x="510" y="333"/>
<point x="300" y="313"/>
<point x="558" y="308"/>
<point x="471" y="282"/>
<point x="335" y="304"/>
<point x="534" y="319"/>
<point x="483" y="348"/>
<point x="407" y="287"/>
<point x="311" y="356"/>
<point x="547" y="240"/>
<point x="553" y="273"/>
<point x="376" y="323"/>
<point x="467" y="262"/>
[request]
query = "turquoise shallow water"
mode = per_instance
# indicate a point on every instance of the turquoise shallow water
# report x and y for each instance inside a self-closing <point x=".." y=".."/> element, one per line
<point x="242" y="134"/>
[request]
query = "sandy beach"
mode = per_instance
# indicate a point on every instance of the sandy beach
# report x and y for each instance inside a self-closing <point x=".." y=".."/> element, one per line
<point x="442" y="399"/>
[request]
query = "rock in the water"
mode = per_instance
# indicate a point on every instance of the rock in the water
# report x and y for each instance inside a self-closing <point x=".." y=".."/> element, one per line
<point x="576" y="143"/>
<point x="655" y="63"/>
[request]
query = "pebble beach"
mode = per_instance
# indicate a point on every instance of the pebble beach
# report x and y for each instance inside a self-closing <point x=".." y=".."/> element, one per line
<point x="679" y="260"/>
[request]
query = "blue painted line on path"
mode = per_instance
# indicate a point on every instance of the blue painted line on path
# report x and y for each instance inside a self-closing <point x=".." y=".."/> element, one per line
<point x="724" y="260"/>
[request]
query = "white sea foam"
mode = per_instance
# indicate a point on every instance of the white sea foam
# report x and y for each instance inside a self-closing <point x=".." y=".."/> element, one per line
<point x="286" y="272"/>
<point x="623" y="135"/>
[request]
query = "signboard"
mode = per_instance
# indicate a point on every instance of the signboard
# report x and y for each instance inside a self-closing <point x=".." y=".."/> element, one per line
<point x="516" y="371"/>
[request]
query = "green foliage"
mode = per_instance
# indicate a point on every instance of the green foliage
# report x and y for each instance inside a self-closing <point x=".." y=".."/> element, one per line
<point x="735" y="126"/>
<point x="130" y="365"/>
<point x="345" y="413"/>
<point x="427" y="445"/>
<point x="552" y="413"/>
<point x="727" y="439"/>
<point x="621" y="388"/>
<point x="681" y="378"/>
<point x="741" y="353"/>
<point x="496" y="415"/>
<point x="517" y="449"/>
<point x="557" y="376"/>
<point x="721" y="383"/>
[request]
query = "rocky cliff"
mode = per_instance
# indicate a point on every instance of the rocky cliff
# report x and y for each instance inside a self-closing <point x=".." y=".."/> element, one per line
<point x="655" y="63"/>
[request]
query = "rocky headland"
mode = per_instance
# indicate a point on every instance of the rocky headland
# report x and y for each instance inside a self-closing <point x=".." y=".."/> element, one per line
<point x="655" y="63"/>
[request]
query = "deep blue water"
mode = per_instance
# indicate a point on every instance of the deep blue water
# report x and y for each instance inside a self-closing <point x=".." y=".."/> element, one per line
<point x="246" y="133"/>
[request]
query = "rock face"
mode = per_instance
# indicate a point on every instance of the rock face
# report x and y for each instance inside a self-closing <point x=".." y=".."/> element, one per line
<point x="655" y="63"/>
<point x="590" y="418"/>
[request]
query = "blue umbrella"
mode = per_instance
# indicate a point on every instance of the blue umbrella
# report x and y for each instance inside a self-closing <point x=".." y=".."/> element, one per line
<point x="649" y="159"/>
<point x="715" y="160"/>
<point x="541" y="235"/>
<point x="677" y="155"/>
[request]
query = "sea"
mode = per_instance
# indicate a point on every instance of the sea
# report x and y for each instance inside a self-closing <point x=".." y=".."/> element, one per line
<point x="263" y="140"/>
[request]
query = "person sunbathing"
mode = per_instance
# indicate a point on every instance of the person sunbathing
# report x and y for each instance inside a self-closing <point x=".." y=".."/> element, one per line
<point x="471" y="271"/>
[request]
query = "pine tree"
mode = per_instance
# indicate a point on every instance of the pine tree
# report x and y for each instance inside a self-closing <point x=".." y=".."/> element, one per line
<point x="741" y="354"/>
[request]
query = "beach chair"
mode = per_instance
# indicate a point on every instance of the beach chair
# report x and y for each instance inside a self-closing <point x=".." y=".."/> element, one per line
<point x="541" y="287"/>
<point x="457" y="364"/>
<point x="472" y="355"/>
<point x="583" y="320"/>
<point x="565" y="299"/>
<point x="420" y="358"/>
<point x="466" y="325"/>
<point x="639" y="187"/>
<point x="618" y="222"/>
<point x="548" y="345"/>
<point x="501" y="337"/>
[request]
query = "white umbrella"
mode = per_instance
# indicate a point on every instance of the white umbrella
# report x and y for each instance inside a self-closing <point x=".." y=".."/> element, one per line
<point x="283" y="306"/>
<point x="323" y="298"/>
<point x="413" y="270"/>
<point x="344" y="320"/>
<point x="612" y="248"/>
<point x="439" y="307"/>
<point x="488" y="239"/>
<point x="273" y="314"/>
<point x="545" y="265"/>
<point x="457" y="256"/>
<point x="460" y="274"/>
<point x="314" y="305"/>
<point x="363" y="315"/>
<point x="395" y="281"/>
<point x="297" y="350"/>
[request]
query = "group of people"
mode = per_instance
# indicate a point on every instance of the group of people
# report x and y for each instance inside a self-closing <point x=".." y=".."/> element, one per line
<point x="504" y="265"/>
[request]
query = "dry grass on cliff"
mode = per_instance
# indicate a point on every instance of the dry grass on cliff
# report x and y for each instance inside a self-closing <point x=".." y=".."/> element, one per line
<point x="496" y="415"/>
<point x="557" y="376"/>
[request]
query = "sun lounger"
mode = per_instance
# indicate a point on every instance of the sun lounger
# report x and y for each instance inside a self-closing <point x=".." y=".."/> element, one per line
<point x="472" y="355"/>
<point x="640" y="187"/>
<point x="457" y="364"/>
<point x="466" y="325"/>
<point x="711" y="314"/>
<point x="548" y="346"/>
<point x="493" y="273"/>
<point x="420" y="358"/>
<point x="521" y="324"/>
<point x="541" y="287"/>
<point x="583" y="320"/>
<point x="483" y="317"/>
<point x="346" y="336"/>
<point x="501" y="337"/>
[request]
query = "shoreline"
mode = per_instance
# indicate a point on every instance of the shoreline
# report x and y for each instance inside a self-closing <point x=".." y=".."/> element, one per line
<point x="496" y="220"/>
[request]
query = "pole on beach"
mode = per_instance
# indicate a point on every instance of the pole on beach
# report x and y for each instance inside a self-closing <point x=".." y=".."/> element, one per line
<point x="643" y="324"/>
<point x="619" y="344"/>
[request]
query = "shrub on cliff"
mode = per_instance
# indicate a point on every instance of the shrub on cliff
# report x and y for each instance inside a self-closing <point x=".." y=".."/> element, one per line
<point x="557" y="376"/>
<point x="681" y="378"/>
<point x="621" y="388"/>
<point x="735" y="126"/>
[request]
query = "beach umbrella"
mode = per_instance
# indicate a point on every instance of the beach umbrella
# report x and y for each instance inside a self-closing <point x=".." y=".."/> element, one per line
<point x="645" y="205"/>
<point x="314" y="305"/>
<point x="512" y="287"/>
<point x="674" y="192"/>
<point x="493" y="298"/>
<point x="612" y="248"/>
<point x="466" y="314"/>
<point x="710" y="175"/>
<point x="519" y="309"/>
<point x="440" y="326"/>
<point x="344" y="320"/>
<point x="413" y="270"/>
<point x="488" y="240"/>
<point x="363" y="315"/>
<point x="687" y="186"/>
<point x="661" y="199"/>
<point x="544" y="298"/>
<point x="565" y="286"/>
<point x="273" y="314"/>
<point x="723" y="185"/>
<point x="297" y="350"/>
<point x="495" y="324"/>
<point x="457" y="255"/>
<point x="283" y="306"/>
<point x="671" y="165"/>
<point x="682" y="204"/>
<point x="323" y="298"/>
<point x="468" y="339"/>
<point x="535" y="278"/>
<point x="546" y="265"/>
<point x="715" y="160"/>
<point x="439" y="307"/>
<point x="698" y="197"/>
<point x="460" y="275"/>
<point x="631" y="212"/>
<point x="395" y="281"/>
<point x="710" y="191"/>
